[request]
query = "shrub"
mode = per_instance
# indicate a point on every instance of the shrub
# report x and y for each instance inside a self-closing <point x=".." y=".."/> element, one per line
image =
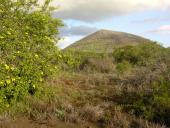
<point x="123" y="67"/>
<point x="143" y="54"/>
<point x="128" y="53"/>
<point x="27" y="46"/>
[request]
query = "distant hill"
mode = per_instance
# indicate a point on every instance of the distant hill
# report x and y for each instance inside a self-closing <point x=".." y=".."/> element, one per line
<point x="105" y="40"/>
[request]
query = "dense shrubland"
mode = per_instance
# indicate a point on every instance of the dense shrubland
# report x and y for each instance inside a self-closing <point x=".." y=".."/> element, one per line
<point x="151" y="72"/>
<point x="143" y="74"/>
<point x="128" y="88"/>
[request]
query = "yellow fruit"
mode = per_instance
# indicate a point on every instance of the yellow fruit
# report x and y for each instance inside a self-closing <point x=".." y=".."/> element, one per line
<point x="33" y="86"/>
<point x="36" y="55"/>
<point x="18" y="52"/>
<point x="7" y="67"/>
<point x="8" y="81"/>
<point x="27" y="27"/>
<point x="29" y="81"/>
<point x="1" y="37"/>
<point x="1" y="84"/>
<point x="41" y="80"/>
<point x="12" y="68"/>
<point x="42" y="73"/>
<point x="9" y="33"/>
<point x="13" y="79"/>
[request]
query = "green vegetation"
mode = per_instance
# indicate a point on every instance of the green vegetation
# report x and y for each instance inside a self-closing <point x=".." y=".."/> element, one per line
<point x="27" y="44"/>
<point x="123" y="83"/>
<point x="140" y="72"/>
<point x="139" y="55"/>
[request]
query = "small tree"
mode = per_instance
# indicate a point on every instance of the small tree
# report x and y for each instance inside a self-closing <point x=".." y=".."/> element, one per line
<point x="28" y="36"/>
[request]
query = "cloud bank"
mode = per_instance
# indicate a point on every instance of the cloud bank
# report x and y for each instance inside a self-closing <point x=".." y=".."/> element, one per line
<point x="97" y="10"/>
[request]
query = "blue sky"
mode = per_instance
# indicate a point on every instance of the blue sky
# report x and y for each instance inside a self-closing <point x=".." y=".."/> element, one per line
<point x="149" y="19"/>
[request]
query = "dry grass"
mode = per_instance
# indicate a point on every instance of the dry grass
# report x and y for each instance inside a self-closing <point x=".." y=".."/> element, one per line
<point x="102" y="65"/>
<point x="91" y="100"/>
<point x="81" y="100"/>
<point x="91" y="113"/>
<point x="105" y="40"/>
<point x="124" y="120"/>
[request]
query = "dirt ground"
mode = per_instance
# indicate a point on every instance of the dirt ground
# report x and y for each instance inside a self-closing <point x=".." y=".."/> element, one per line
<point x="26" y="123"/>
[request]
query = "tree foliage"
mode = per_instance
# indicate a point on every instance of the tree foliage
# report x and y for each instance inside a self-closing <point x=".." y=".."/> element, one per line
<point x="28" y="35"/>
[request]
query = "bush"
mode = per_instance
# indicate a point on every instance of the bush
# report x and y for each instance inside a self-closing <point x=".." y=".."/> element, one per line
<point x="142" y="55"/>
<point x="128" y="53"/>
<point x="150" y="79"/>
<point x="123" y="67"/>
<point x="27" y="46"/>
<point x="152" y="101"/>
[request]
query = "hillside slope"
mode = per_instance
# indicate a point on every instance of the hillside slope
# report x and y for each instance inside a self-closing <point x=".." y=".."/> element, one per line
<point x="105" y="40"/>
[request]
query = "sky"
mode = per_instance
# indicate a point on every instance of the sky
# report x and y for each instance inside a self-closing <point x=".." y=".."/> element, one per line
<point x="147" y="18"/>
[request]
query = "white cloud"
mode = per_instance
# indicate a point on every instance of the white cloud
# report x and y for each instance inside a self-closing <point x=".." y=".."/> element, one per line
<point x="96" y="10"/>
<point x="63" y="42"/>
<point x="66" y="41"/>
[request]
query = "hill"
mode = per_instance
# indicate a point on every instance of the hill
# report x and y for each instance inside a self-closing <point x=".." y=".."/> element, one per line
<point x="105" y="40"/>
